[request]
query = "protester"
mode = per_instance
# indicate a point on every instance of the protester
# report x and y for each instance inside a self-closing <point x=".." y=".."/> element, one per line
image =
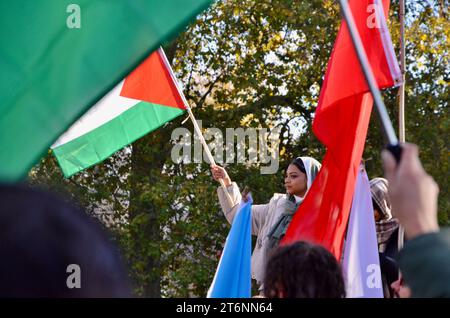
<point x="386" y="225"/>
<point x="50" y="248"/>
<point x="303" y="270"/>
<point x="387" y="233"/>
<point x="425" y="259"/>
<point x="270" y="221"/>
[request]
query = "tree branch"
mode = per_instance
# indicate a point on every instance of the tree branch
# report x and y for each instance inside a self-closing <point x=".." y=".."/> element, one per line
<point x="266" y="102"/>
<point x="200" y="103"/>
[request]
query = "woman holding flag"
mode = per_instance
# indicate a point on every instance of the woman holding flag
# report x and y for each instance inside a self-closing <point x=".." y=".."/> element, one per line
<point x="270" y="221"/>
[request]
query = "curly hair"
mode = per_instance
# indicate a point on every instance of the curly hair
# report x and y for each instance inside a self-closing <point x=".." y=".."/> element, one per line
<point x="303" y="270"/>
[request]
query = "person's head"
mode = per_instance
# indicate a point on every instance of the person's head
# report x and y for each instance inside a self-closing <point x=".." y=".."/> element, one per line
<point x="49" y="248"/>
<point x="300" y="174"/>
<point x="401" y="290"/>
<point x="380" y="199"/>
<point x="303" y="270"/>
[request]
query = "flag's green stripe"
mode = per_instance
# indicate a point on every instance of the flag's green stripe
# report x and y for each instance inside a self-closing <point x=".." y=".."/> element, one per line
<point x="102" y="142"/>
<point x="51" y="74"/>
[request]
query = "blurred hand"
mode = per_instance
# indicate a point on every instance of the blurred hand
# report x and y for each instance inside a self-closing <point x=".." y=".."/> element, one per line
<point x="220" y="173"/>
<point x="412" y="191"/>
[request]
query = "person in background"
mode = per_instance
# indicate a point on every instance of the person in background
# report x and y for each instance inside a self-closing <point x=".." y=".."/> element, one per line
<point x="386" y="225"/>
<point x="387" y="233"/>
<point x="425" y="258"/>
<point x="303" y="270"/>
<point x="51" y="248"/>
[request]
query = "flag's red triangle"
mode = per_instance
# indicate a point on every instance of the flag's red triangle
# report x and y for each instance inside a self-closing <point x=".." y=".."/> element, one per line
<point x="152" y="82"/>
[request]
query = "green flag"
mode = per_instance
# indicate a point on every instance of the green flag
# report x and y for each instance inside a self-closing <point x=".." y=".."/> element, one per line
<point x="58" y="58"/>
<point x="147" y="98"/>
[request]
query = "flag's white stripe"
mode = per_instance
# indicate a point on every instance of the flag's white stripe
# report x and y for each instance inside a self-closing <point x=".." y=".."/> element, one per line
<point x="361" y="264"/>
<point x="387" y="44"/>
<point x="108" y="108"/>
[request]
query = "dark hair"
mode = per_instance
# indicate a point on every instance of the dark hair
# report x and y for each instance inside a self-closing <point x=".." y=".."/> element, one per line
<point x="376" y="206"/>
<point x="298" y="162"/>
<point x="41" y="235"/>
<point x="303" y="270"/>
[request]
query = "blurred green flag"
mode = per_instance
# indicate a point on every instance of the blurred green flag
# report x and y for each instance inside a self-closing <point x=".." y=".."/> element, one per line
<point x="58" y="58"/>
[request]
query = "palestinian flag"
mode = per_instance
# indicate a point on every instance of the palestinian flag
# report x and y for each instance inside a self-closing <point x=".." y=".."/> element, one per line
<point x="59" y="58"/>
<point x="145" y="100"/>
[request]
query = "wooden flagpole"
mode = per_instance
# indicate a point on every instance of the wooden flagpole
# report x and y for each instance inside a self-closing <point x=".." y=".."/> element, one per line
<point x="196" y="127"/>
<point x="401" y="92"/>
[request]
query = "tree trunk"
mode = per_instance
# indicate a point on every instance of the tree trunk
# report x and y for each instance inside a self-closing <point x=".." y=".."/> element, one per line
<point x="146" y="165"/>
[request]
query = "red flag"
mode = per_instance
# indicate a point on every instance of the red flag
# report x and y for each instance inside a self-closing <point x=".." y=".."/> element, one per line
<point x="341" y="122"/>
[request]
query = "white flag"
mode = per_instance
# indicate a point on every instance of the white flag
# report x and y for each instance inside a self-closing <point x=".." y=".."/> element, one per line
<point x="361" y="263"/>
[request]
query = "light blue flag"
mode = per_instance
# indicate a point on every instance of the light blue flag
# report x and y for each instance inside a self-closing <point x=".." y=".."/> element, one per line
<point x="361" y="265"/>
<point x="233" y="276"/>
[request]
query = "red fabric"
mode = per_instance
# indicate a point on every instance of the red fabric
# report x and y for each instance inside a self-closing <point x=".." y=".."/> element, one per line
<point x="340" y="123"/>
<point x="151" y="82"/>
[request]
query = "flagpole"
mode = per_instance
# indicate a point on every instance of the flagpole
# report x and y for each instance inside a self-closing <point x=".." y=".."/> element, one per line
<point x="196" y="127"/>
<point x="401" y="109"/>
<point x="386" y="124"/>
<point x="401" y="92"/>
<point x="208" y="152"/>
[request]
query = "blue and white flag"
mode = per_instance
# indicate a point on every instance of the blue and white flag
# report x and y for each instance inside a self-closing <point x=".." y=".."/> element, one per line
<point x="361" y="263"/>
<point x="233" y="274"/>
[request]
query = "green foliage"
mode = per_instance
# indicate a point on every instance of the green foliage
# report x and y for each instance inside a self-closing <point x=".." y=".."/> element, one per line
<point x="248" y="63"/>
